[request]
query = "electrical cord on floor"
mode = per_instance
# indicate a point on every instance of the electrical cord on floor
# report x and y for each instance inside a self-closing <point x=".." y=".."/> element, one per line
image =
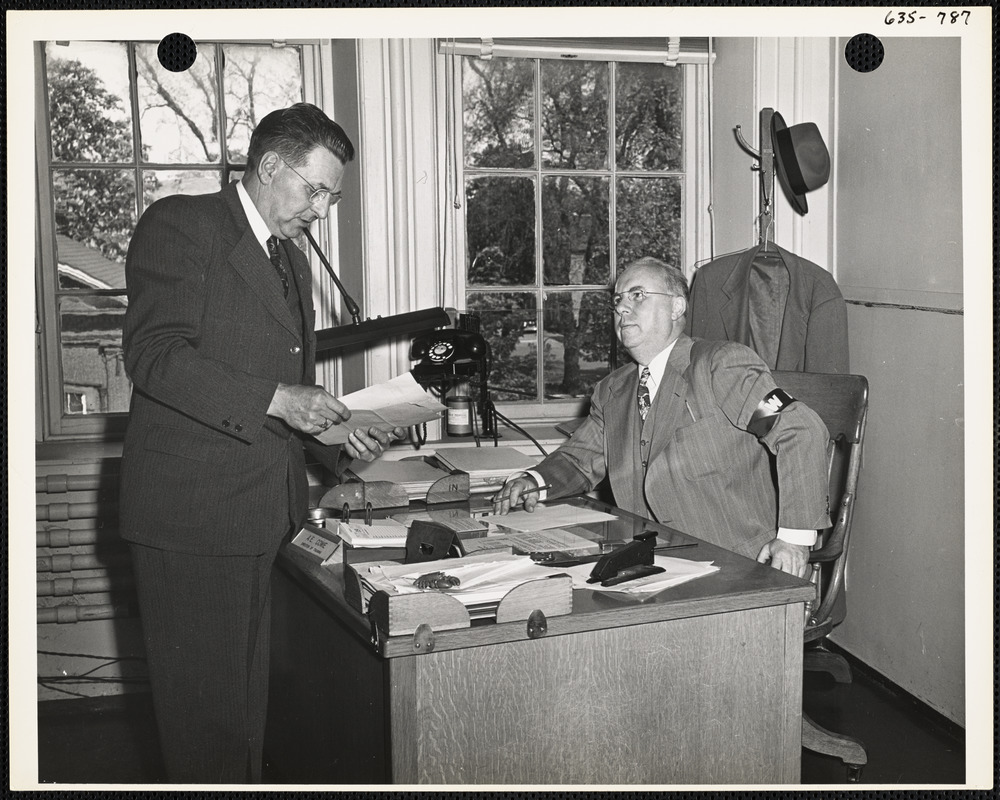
<point x="52" y="681"/>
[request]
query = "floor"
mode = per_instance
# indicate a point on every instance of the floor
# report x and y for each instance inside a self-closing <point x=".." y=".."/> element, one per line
<point x="113" y="739"/>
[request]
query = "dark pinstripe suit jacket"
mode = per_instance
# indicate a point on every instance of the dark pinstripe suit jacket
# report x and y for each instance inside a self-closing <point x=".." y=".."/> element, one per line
<point x="706" y="474"/>
<point x="207" y="338"/>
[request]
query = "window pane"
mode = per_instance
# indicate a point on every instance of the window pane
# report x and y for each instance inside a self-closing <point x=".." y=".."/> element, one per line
<point x="575" y="230"/>
<point x="575" y="115"/>
<point x="178" y="119"/>
<point x="95" y="217"/>
<point x="577" y="341"/>
<point x="499" y="111"/>
<point x="89" y="112"/>
<point x="508" y="321"/>
<point x="162" y="183"/>
<point x="648" y="117"/>
<point x="649" y="219"/>
<point x="258" y="79"/>
<point x="94" y="380"/>
<point x="500" y="231"/>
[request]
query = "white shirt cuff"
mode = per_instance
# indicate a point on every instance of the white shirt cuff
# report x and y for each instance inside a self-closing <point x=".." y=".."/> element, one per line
<point x="539" y="481"/>
<point x="797" y="536"/>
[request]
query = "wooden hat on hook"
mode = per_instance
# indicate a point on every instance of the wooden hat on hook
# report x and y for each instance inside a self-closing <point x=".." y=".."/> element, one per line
<point x="802" y="160"/>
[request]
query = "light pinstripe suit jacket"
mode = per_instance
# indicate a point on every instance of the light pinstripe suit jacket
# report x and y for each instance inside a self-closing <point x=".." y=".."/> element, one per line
<point x="706" y="475"/>
<point x="207" y="338"/>
<point x="814" y="325"/>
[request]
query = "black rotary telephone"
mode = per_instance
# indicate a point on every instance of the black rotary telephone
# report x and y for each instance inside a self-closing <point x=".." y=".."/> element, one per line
<point x="447" y="356"/>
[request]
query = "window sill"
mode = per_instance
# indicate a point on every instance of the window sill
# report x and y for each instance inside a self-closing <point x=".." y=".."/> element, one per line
<point x="78" y="452"/>
<point x="546" y="435"/>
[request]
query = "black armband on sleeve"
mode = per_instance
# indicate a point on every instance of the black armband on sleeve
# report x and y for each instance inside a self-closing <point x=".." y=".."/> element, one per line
<point x="768" y="412"/>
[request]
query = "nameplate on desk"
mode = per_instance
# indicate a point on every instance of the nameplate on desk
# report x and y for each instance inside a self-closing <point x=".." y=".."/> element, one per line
<point x="316" y="544"/>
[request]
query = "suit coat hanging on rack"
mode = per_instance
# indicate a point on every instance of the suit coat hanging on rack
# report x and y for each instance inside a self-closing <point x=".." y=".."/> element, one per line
<point x="789" y="310"/>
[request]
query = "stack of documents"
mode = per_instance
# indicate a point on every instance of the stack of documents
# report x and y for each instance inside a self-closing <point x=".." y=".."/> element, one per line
<point x="545" y="517"/>
<point x="487" y="467"/>
<point x="415" y="477"/>
<point x="380" y="533"/>
<point x="483" y="580"/>
<point x="548" y="541"/>
<point x="398" y="403"/>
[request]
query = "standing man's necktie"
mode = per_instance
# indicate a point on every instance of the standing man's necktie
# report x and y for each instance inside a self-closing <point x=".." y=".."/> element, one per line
<point x="275" y="254"/>
<point x="643" y="394"/>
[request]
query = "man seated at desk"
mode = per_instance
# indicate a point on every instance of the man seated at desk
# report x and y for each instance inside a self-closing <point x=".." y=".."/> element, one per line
<point x="687" y="435"/>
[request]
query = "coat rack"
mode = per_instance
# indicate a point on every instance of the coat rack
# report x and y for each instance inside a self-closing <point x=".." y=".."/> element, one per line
<point x="765" y="166"/>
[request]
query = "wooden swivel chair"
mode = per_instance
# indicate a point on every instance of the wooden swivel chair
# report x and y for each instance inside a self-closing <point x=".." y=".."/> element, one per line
<point x="842" y="402"/>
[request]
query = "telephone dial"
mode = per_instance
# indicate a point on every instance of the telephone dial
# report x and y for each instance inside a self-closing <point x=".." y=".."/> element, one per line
<point x="448" y="348"/>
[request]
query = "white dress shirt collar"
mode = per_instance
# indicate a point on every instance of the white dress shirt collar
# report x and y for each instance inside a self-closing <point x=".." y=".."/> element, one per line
<point x="257" y="224"/>
<point x="657" y="365"/>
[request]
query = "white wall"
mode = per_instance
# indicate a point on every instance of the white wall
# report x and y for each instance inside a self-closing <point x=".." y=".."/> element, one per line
<point x="899" y="241"/>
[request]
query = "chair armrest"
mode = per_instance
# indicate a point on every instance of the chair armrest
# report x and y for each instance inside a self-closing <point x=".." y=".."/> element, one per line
<point x="833" y="548"/>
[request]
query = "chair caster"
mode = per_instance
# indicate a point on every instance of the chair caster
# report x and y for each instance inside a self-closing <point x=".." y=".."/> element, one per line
<point x="854" y="772"/>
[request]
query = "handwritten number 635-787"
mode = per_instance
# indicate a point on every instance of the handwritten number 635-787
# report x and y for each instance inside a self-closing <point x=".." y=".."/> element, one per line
<point x="943" y="17"/>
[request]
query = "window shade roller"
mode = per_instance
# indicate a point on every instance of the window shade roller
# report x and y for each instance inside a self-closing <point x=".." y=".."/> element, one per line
<point x="671" y="50"/>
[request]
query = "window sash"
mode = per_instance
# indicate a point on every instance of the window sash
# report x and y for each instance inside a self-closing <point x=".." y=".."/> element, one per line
<point x="695" y="241"/>
<point x="671" y="50"/>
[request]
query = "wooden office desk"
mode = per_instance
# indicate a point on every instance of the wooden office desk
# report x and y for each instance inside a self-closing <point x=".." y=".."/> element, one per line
<point x="701" y="684"/>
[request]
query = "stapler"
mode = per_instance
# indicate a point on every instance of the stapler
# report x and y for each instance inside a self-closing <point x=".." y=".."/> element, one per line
<point x="634" y="560"/>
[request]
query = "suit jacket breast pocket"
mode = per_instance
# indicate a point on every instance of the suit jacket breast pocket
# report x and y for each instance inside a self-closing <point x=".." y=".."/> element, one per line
<point x="706" y="448"/>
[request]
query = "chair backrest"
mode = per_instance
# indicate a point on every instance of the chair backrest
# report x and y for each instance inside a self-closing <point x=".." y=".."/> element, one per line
<point x="841" y="401"/>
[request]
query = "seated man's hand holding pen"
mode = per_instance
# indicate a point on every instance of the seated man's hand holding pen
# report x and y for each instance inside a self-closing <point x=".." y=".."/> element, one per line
<point x="520" y="489"/>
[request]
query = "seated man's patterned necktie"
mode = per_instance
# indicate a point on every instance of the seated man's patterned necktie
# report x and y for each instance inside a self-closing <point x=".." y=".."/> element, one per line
<point x="275" y="254"/>
<point x="643" y="394"/>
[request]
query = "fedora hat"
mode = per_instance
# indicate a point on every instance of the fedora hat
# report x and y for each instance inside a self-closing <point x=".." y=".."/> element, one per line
<point x="803" y="162"/>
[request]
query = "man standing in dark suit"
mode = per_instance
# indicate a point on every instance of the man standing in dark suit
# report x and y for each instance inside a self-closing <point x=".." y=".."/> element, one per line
<point x="687" y="435"/>
<point x="220" y="347"/>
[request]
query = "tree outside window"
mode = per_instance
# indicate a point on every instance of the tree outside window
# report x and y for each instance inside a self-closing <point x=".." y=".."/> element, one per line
<point x="572" y="170"/>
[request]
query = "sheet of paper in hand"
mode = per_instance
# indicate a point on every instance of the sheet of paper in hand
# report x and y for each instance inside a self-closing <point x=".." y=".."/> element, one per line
<point x="397" y="403"/>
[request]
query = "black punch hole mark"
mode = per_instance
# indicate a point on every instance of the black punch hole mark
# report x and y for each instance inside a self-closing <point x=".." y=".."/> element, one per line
<point x="177" y="52"/>
<point x="864" y="52"/>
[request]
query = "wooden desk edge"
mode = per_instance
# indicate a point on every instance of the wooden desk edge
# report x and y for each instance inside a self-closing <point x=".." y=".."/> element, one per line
<point x="326" y="586"/>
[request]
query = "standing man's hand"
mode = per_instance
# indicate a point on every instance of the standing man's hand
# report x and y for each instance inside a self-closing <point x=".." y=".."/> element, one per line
<point x="369" y="445"/>
<point x="788" y="557"/>
<point x="310" y="409"/>
<point x="512" y="492"/>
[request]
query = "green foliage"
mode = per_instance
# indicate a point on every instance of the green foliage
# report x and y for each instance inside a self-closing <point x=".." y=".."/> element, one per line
<point x="89" y="124"/>
<point x="577" y="217"/>
<point x="501" y="231"/>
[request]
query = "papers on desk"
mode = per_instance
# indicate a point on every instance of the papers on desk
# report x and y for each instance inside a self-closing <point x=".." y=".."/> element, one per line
<point x="483" y="579"/>
<point x="414" y="476"/>
<point x="548" y="541"/>
<point x="486" y="466"/>
<point x="545" y="517"/>
<point x="454" y="519"/>
<point x="400" y="402"/>
<point x="675" y="571"/>
<point x="380" y="533"/>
